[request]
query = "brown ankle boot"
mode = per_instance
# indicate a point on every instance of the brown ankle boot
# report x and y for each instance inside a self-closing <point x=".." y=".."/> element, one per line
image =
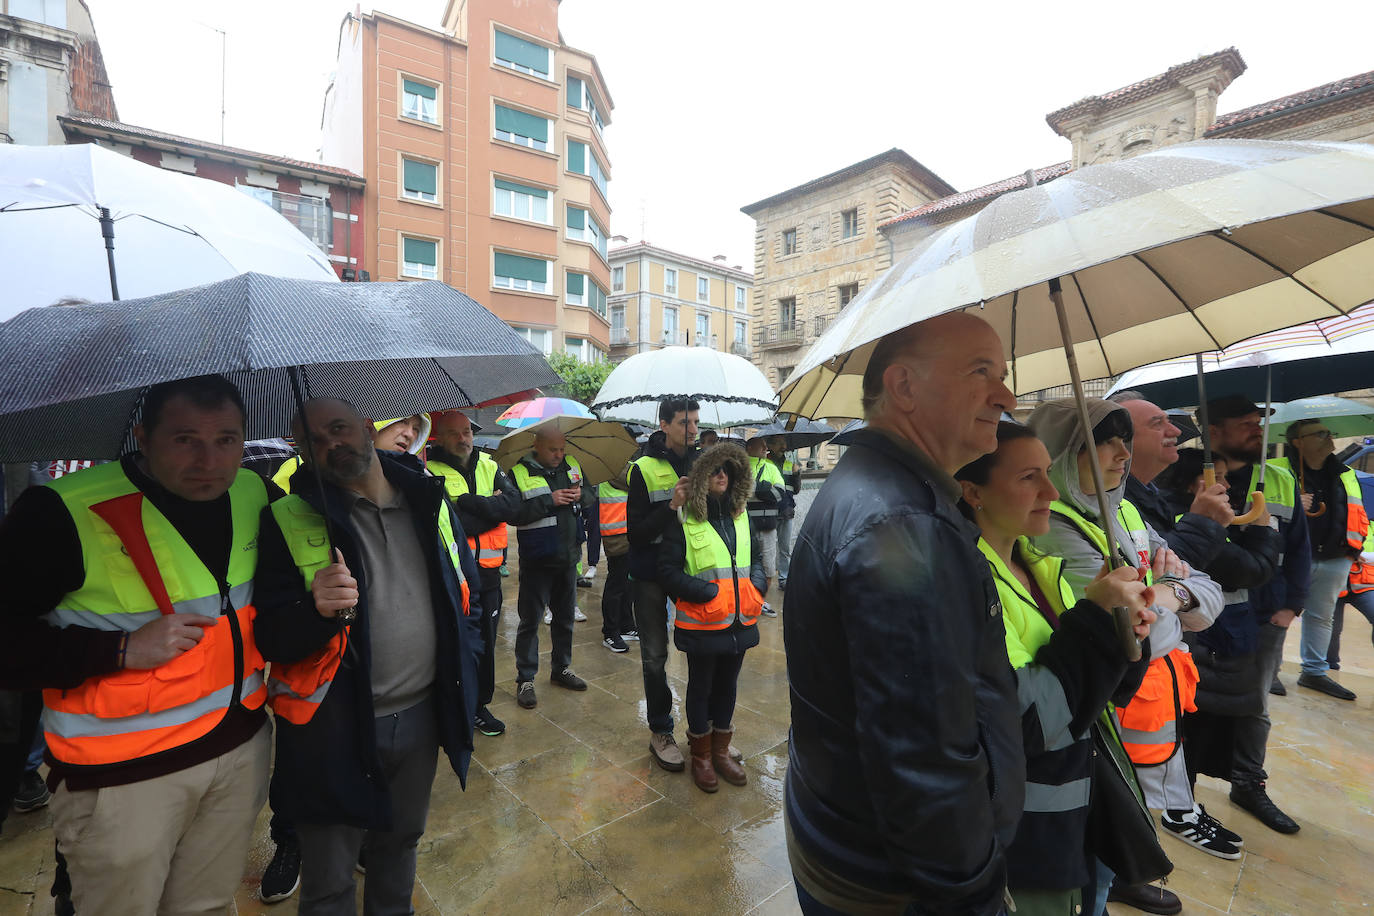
<point x="724" y="765"/>
<point x="703" y="774"/>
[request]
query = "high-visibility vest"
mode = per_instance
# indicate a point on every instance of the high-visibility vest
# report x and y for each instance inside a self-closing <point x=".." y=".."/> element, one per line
<point x="1361" y="572"/>
<point x="139" y="567"/>
<point x="615" y="517"/>
<point x="531" y="537"/>
<point x="1280" y="489"/>
<point x="709" y="560"/>
<point x="766" y="471"/>
<point x="660" y="479"/>
<point x="1128" y="516"/>
<point x="489" y="547"/>
<point x="1356" y="518"/>
<point x="1149" y="722"/>
<point x="288" y="469"/>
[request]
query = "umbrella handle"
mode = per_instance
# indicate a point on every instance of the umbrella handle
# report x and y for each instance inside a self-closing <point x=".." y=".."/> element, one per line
<point x="1257" y="508"/>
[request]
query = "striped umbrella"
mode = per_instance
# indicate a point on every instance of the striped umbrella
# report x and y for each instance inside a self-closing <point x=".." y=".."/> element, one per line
<point x="527" y="413"/>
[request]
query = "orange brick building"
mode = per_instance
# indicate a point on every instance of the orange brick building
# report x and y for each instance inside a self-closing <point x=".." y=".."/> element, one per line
<point x="485" y="166"/>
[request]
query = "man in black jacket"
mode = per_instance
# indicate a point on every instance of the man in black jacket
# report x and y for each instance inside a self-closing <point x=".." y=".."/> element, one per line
<point x="360" y="770"/>
<point x="906" y="777"/>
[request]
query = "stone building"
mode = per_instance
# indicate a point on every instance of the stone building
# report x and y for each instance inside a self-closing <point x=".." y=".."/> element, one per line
<point x="661" y="298"/>
<point x="50" y="66"/>
<point x="482" y="146"/>
<point x="817" y="245"/>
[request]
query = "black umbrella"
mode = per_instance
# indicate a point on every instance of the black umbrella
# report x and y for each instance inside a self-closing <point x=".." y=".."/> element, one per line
<point x="805" y="433"/>
<point x="846" y="435"/>
<point x="72" y="377"/>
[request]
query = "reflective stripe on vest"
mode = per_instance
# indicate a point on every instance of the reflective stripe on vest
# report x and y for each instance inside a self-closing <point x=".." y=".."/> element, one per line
<point x="133" y="713"/>
<point x="488" y="547"/>
<point x="1149" y="723"/>
<point x="1280" y="489"/>
<point x="1128" y="516"/>
<point x="660" y="479"/>
<point x="615" y="515"/>
<point x="532" y="487"/>
<point x="709" y="560"/>
<point x="766" y="471"/>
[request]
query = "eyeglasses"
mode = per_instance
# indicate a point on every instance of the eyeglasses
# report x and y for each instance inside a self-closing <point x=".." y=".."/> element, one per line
<point x="1320" y="434"/>
<point x="720" y="470"/>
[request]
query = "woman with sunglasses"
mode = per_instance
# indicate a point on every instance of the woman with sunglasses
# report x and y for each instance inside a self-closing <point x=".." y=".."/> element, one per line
<point x="711" y="565"/>
<point x="1068" y="664"/>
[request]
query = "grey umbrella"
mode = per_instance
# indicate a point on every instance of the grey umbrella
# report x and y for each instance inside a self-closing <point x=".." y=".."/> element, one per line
<point x="805" y="433"/>
<point x="72" y="377"/>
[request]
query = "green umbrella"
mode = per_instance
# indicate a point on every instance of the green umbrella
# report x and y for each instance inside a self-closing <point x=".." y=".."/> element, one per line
<point x="1343" y="416"/>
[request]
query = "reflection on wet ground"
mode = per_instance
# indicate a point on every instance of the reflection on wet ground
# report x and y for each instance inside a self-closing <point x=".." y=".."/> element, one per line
<point x="566" y="812"/>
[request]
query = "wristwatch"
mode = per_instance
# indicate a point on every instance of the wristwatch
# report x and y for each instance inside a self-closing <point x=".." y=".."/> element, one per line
<point x="1186" y="601"/>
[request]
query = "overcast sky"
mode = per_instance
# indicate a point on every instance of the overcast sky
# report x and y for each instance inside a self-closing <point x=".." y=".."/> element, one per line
<point x="719" y="103"/>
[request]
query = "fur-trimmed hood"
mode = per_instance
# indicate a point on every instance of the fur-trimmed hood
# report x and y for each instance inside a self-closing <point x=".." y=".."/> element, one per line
<point x="699" y="480"/>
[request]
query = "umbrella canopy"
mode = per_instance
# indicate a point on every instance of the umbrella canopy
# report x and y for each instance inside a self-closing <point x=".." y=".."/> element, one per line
<point x="527" y="413"/>
<point x="1187" y="426"/>
<point x="731" y="390"/>
<point x="71" y="377"/>
<point x="602" y="449"/>
<point x="1319" y="357"/>
<point x="846" y="435"/>
<point x="805" y="433"/>
<point x="1186" y="249"/>
<point x="170" y="231"/>
<point x="1343" y="416"/>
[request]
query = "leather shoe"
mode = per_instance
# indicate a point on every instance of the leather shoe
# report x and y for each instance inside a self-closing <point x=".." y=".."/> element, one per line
<point x="566" y="678"/>
<point x="1323" y="684"/>
<point x="1252" y="797"/>
<point x="1276" y="687"/>
<point x="1148" y="897"/>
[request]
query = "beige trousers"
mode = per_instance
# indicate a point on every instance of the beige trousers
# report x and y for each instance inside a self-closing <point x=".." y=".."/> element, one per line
<point x="175" y="845"/>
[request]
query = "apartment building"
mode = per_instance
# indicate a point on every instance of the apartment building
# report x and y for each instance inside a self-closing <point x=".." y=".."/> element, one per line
<point x="481" y="144"/>
<point x="50" y="65"/>
<point x="660" y="298"/>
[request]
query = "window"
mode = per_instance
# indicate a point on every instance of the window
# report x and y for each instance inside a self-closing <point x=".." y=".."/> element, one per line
<point x="582" y="290"/>
<point x="28" y="100"/>
<point x="704" y="289"/>
<point x="519" y="54"/>
<point x="580" y="97"/>
<point x="669" y="325"/>
<point x="617" y="317"/>
<point x="617" y="279"/>
<point x="849" y="223"/>
<point x="311" y="215"/>
<point x="789" y="241"/>
<point x="787" y="312"/>
<point x="703" y="330"/>
<point x="847" y="293"/>
<point x="419" y="101"/>
<point x="784" y="372"/>
<point x="739" y="299"/>
<point x="419" y="180"/>
<point x="419" y="258"/>
<point x="520" y="201"/>
<point x="670" y="281"/>
<point x="741" y="332"/>
<point x="48" y="12"/>
<point x="513" y="271"/>
<point x="521" y="128"/>
<point x="583" y="161"/>
<point x="583" y="227"/>
<point x="542" y="340"/>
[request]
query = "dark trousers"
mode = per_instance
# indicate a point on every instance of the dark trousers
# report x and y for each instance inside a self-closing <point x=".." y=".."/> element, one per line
<point x="553" y="587"/>
<point x="19" y="715"/>
<point x="1252" y="732"/>
<point x="491" y="623"/>
<point x="408" y="745"/>
<point x="651" y="619"/>
<point x="1362" y="602"/>
<point x="617" y="598"/>
<point x="711" y="681"/>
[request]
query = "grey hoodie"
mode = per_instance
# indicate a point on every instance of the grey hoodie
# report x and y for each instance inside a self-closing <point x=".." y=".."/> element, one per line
<point x="1057" y="425"/>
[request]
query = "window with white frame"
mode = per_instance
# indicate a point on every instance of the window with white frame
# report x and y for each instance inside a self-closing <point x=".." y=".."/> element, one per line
<point x="703" y="289"/>
<point x="513" y="271"/>
<point x="582" y="161"/>
<point x="583" y="227"/>
<point x="520" y="201"/>
<point x="581" y="289"/>
<point x="542" y="339"/>
<point x="419" y="258"/>
<point x="848" y="292"/>
<point x="703" y="330"/>
<point x="741" y="331"/>
<point x="419" y="180"/>
<point x="522" y="128"/>
<point x="849" y="223"/>
<point x="739" y="299"/>
<point x="618" y="279"/>
<point x="419" y="101"/>
<point x="524" y="56"/>
<point x="670" y="281"/>
<point x="669" y="325"/>
<point x="617" y="317"/>
<point x="580" y="97"/>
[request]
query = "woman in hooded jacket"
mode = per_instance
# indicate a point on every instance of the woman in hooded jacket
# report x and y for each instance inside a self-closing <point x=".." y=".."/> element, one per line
<point x="711" y="566"/>
<point x="1185" y="599"/>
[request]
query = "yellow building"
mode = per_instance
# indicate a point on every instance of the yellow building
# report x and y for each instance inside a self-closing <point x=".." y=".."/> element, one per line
<point x="660" y="298"/>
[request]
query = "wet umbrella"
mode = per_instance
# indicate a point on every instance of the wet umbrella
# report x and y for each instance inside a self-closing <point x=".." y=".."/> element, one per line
<point x="527" y="413"/>
<point x="1343" y="416"/>
<point x="731" y="391"/>
<point x="85" y="222"/>
<point x="803" y="434"/>
<point x="72" y="378"/>
<point x="846" y="434"/>
<point x="601" y="449"/>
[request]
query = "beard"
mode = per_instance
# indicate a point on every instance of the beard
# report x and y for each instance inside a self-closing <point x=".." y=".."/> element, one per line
<point x="1250" y="454"/>
<point x="344" y="463"/>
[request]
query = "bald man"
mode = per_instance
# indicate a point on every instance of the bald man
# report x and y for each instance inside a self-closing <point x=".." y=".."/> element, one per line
<point x="549" y="534"/>
<point x="906" y="776"/>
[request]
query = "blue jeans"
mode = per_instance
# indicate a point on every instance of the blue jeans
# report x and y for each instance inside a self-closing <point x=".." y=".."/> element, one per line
<point x="1328" y="578"/>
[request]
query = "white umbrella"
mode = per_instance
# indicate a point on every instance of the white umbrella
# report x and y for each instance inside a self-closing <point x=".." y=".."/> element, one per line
<point x="601" y="449"/>
<point x="731" y="391"/>
<point x="166" y="231"/>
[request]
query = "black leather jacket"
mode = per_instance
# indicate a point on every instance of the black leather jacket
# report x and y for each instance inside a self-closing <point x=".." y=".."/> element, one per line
<point x="907" y="772"/>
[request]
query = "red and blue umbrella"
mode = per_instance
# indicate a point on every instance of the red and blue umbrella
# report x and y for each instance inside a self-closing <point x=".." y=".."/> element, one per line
<point x="527" y="413"/>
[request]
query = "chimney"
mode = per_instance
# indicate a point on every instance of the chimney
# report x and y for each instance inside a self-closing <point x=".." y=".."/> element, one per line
<point x="720" y="258"/>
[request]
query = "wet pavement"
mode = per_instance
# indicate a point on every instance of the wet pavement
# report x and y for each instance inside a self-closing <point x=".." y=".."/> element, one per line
<point x="567" y="813"/>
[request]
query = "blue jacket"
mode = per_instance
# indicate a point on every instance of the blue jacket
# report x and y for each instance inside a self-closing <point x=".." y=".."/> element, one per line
<point x="1288" y="589"/>
<point x="328" y="770"/>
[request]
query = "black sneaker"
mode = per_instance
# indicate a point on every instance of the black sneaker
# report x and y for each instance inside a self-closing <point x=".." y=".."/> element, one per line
<point x="566" y="678"/>
<point x="1229" y="836"/>
<point x="1252" y="797"/>
<point x="1276" y="687"/>
<point x="768" y="610"/>
<point x="1151" y="898"/>
<point x="33" y="793"/>
<point x="630" y="636"/>
<point x="488" y="724"/>
<point x="1191" y="829"/>
<point x="524" y="695"/>
<point x="615" y="644"/>
<point x="283" y="874"/>
<point x="1323" y="684"/>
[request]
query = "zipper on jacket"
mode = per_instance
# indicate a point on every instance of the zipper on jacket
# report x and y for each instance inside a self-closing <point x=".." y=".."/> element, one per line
<point x="226" y="609"/>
